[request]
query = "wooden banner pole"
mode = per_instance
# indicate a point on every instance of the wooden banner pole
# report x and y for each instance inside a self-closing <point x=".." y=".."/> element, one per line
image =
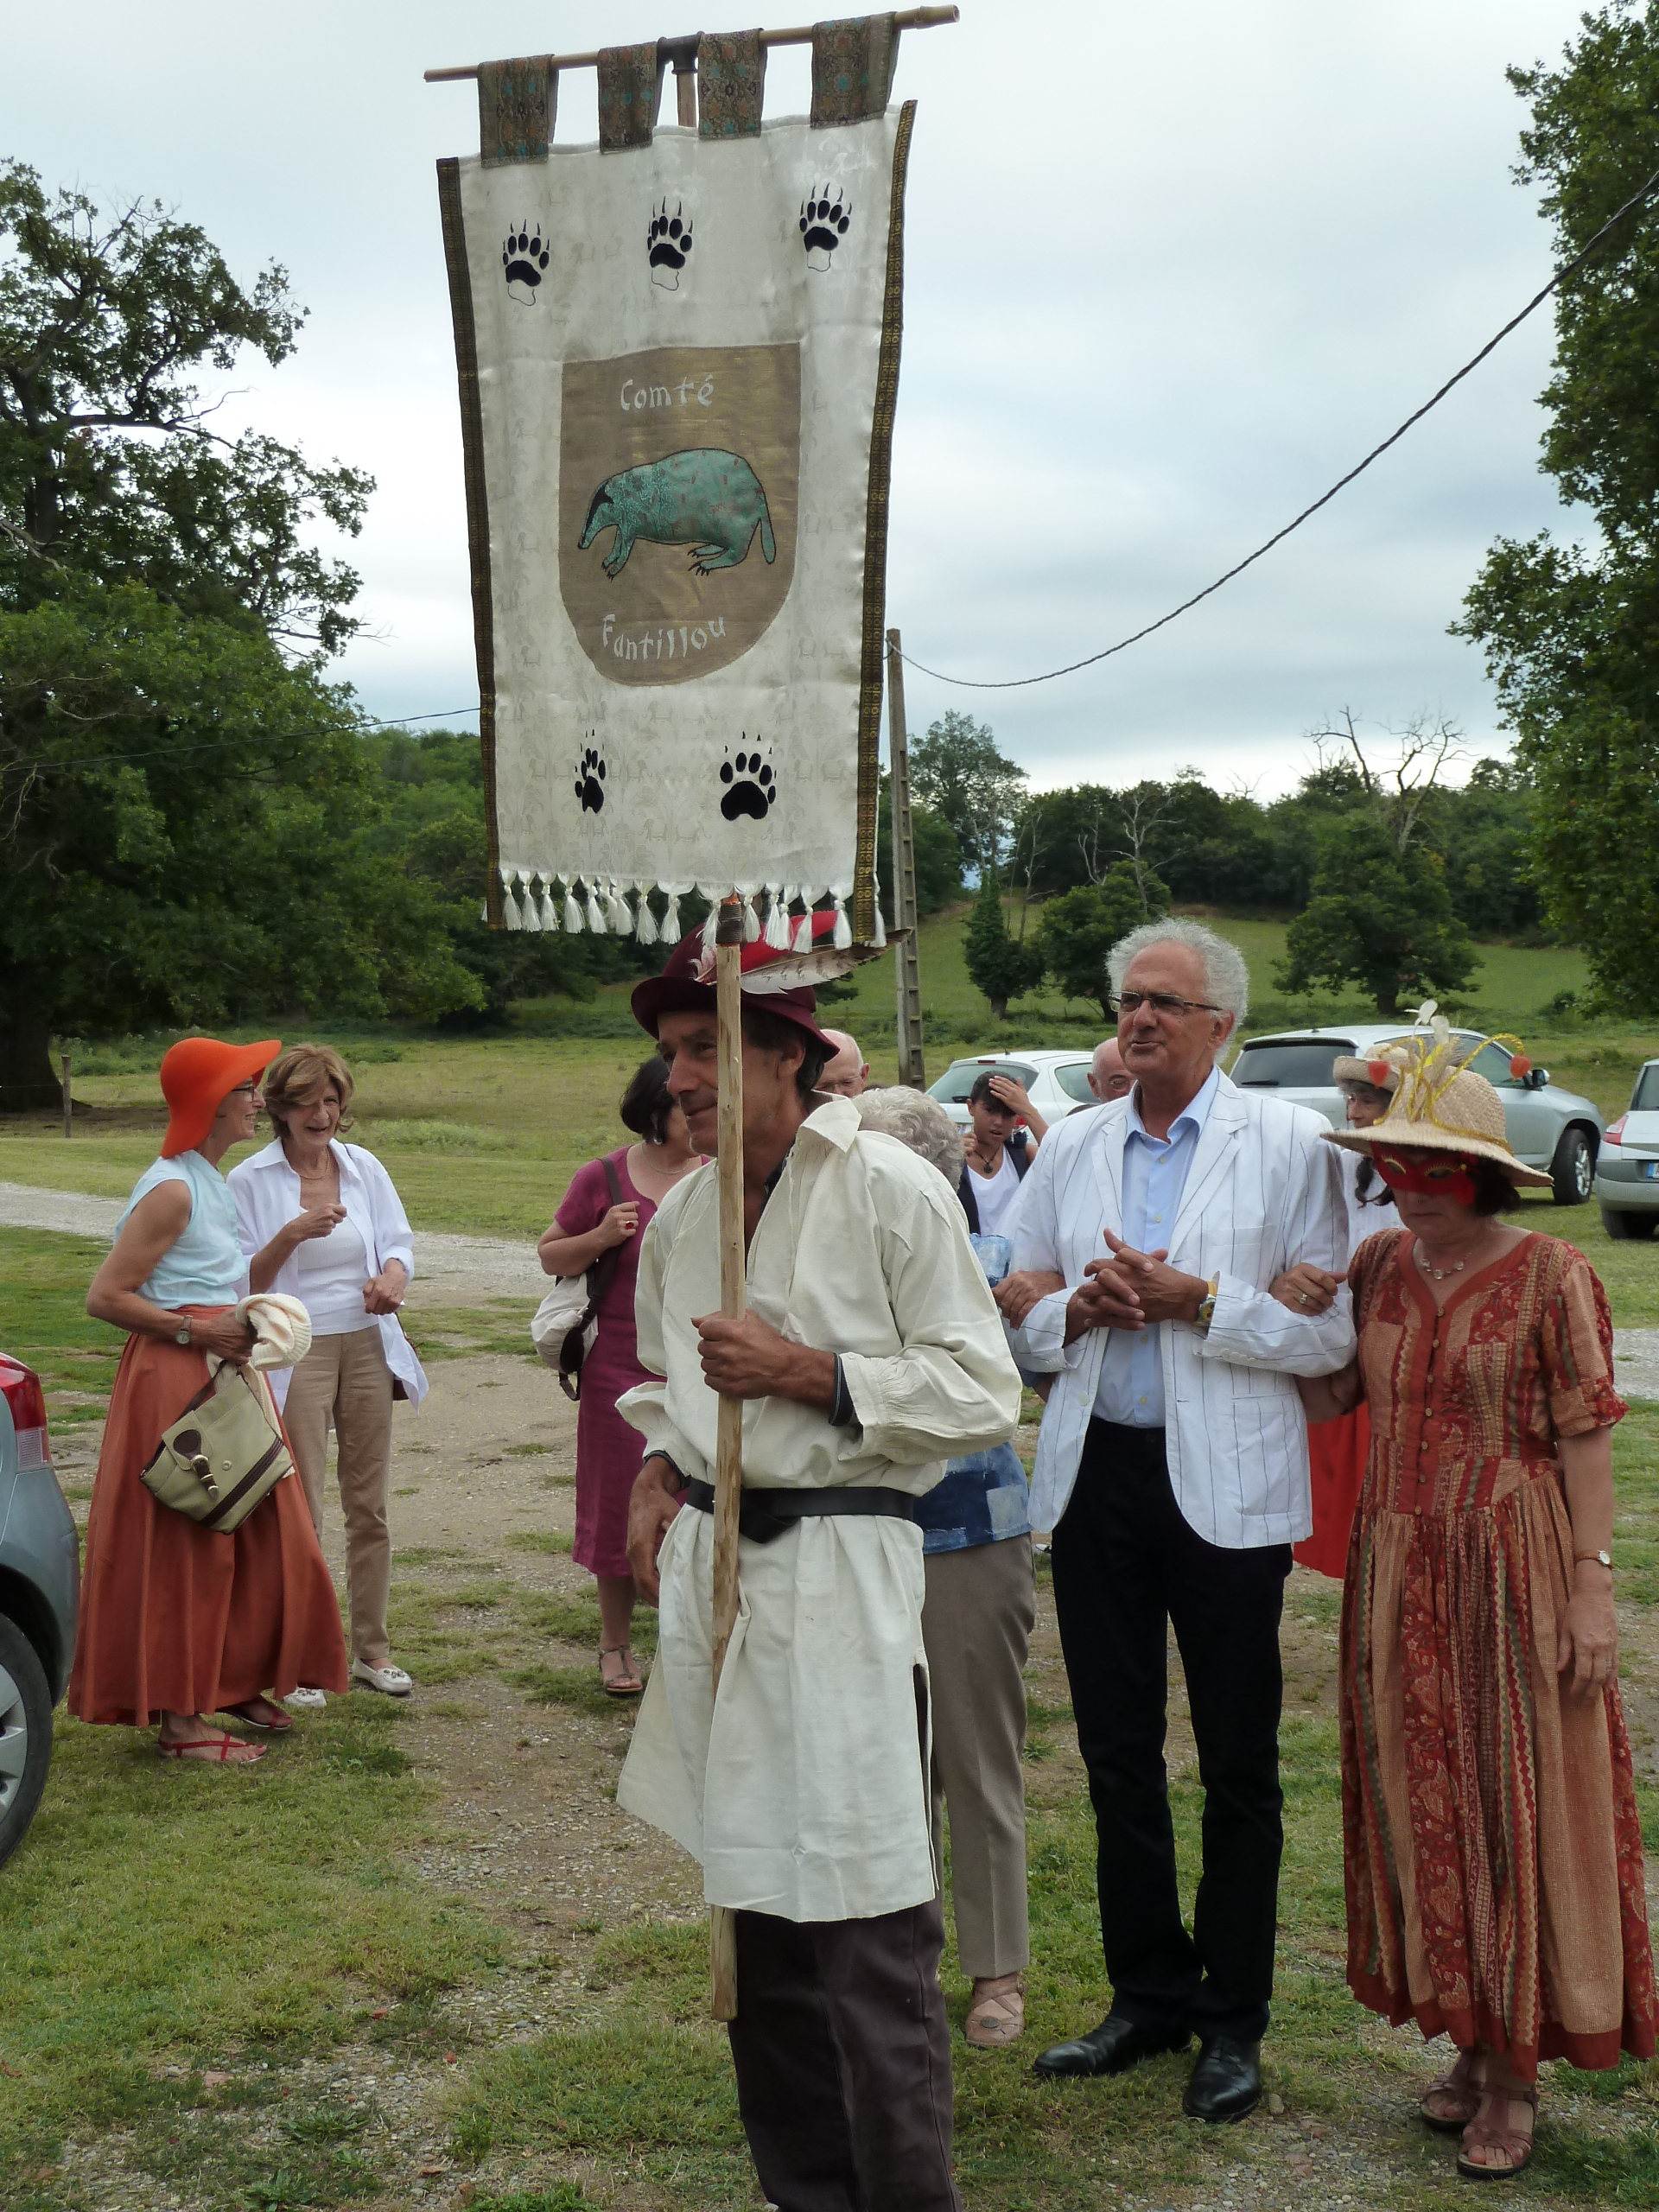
<point x="907" y="966"/>
<point x="728" y="1452"/>
<point x="908" y="19"/>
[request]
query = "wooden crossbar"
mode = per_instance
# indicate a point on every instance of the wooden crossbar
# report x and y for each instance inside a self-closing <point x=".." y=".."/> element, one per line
<point x="910" y="19"/>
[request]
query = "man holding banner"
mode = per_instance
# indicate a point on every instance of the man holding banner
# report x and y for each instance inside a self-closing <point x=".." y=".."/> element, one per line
<point x="870" y="1353"/>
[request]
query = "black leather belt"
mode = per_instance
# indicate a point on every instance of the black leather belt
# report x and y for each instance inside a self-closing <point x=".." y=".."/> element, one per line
<point x="764" y="1514"/>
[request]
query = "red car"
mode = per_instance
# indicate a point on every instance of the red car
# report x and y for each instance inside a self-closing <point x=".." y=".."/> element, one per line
<point x="40" y="1597"/>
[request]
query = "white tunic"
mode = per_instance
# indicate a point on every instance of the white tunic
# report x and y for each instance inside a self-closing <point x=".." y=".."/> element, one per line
<point x="802" y="1788"/>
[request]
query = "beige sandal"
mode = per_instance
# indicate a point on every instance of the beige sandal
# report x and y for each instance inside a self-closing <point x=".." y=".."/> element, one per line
<point x="1460" y="2091"/>
<point x="996" y="2015"/>
<point x="626" y="1682"/>
<point x="1500" y="2135"/>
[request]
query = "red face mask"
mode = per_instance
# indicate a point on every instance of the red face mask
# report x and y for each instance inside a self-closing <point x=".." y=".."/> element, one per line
<point x="1451" y="1180"/>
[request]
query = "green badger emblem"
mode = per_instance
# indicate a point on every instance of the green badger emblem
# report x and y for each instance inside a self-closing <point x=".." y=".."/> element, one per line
<point x="709" y="500"/>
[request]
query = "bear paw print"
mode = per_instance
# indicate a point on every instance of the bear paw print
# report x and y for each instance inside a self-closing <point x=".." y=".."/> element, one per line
<point x="590" y="781"/>
<point x="824" y="223"/>
<point x="752" y="789"/>
<point x="524" y="264"/>
<point x="668" y="245"/>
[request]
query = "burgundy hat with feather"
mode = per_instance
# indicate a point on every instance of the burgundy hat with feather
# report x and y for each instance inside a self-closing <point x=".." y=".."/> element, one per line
<point x="776" y="977"/>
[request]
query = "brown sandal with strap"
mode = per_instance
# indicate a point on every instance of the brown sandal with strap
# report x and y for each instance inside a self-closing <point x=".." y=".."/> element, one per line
<point x="1490" y="2135"/>
<point x="997" y="2016"/>
<point x="629" y="1682"/>
<point x="1461" y="2089"/>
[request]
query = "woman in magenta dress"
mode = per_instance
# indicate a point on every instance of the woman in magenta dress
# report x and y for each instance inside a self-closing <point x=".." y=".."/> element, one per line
<point x="589" y="1223"/>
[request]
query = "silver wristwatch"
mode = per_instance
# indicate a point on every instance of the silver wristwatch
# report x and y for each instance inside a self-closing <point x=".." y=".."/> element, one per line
<point x="1602" y="1559"/>
<point x="181" y="1334"/>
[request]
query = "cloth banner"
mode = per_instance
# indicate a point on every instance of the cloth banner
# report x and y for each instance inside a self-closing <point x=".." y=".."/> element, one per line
<point x="679" y="362"/>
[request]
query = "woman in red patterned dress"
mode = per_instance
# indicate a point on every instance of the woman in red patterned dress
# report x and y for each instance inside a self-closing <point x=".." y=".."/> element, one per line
<point x="1493" y="1856"/>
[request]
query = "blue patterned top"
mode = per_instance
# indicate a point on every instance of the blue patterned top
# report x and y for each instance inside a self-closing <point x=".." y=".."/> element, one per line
<point x="981" y="1500"/>
<point x="206" y="1266"/>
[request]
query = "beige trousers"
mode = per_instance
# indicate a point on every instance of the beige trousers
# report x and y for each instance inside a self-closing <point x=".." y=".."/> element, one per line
<point x="976" y="1624"/>
<point x="344" y="1381"/>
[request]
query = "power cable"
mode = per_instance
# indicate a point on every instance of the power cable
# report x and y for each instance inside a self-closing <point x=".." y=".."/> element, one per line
<point x="1019" y="683"/>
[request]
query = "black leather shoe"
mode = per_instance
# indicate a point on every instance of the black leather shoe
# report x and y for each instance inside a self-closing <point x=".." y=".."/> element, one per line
<point x="1226" y="2082"/>
<point x="1112" y="2048"/>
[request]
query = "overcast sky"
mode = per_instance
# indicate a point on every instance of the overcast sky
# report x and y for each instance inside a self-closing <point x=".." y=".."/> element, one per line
<point x="1169" y="271"/>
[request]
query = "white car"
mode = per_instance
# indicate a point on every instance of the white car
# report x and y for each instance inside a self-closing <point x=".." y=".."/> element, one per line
<point x="1547" y="1127"/>
<point x="1056" y="1084"/>
<point x="1627" y="1167"/>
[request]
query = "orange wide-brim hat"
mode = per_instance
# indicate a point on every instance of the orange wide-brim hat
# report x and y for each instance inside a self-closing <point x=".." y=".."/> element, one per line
<point x="198" y="1074"/>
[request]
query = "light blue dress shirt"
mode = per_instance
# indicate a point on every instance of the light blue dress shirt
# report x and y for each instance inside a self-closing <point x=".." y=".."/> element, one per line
<point x="1131" y="1390"/>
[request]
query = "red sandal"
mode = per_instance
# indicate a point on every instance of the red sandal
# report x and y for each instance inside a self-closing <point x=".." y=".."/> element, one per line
<point x="213" y="1750"/>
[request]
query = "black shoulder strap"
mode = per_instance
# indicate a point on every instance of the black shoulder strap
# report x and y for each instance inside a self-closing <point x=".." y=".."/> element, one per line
<point x="970" y="1203"/>
<point x="604" y="1268"/>
<point x="599" y="1278"/>
<point x="1020" y="1154"/>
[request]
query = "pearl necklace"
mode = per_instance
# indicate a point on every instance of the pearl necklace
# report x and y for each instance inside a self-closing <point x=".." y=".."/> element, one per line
<point x="1440" y="1273"/>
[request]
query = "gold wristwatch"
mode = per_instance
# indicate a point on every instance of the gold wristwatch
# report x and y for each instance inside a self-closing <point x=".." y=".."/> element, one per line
<point x="1206" y="1313"/>
<point x="1602" y="1559"/>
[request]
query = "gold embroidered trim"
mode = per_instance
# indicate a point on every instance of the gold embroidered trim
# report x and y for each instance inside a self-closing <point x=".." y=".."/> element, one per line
<point x="872" y="659"/>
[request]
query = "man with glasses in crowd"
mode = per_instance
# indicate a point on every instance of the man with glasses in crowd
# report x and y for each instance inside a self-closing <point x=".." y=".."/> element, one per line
<point x="1172" y="1470"/>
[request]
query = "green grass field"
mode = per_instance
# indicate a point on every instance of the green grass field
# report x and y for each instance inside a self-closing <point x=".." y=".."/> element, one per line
<point x="177" y="1952"/>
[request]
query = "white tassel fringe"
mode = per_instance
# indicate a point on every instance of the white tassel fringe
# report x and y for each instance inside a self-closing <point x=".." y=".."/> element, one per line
<point x="842" y="934"/>
<point x="644" y="926"/>
<point x="572" y="911"/>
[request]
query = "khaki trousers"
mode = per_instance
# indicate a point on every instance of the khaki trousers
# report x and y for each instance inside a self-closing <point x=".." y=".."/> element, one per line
<point x="344" y="1381"/>
<point x="976" y="1624"/>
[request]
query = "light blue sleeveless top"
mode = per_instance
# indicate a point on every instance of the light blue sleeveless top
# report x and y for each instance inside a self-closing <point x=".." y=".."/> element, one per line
<point x="206" y="1267"/>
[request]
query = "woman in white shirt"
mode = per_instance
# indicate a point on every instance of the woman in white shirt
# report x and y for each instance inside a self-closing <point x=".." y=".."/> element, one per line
<point x="321" y="1220"/>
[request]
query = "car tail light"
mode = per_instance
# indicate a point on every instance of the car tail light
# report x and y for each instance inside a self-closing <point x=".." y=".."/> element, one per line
<point x="21" y="1387"/>
<point x="1614" y="1133"/>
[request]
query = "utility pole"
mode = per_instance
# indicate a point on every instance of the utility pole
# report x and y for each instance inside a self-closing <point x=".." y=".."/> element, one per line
<point x="909" y="976"/>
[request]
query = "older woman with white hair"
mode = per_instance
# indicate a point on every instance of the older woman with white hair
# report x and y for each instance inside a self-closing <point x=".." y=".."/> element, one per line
<point x="976" y="1624"/>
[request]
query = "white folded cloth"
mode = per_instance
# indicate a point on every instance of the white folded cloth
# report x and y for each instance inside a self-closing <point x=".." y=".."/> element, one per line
<point x="281" y="1324"/>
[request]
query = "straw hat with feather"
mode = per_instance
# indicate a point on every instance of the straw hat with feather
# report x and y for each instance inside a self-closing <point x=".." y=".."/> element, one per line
<point x="1440" y="1105"/>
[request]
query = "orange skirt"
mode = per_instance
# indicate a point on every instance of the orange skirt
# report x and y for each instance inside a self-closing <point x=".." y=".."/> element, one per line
<point x="174" y="1617"/>
<point x="1336" y="1453"/>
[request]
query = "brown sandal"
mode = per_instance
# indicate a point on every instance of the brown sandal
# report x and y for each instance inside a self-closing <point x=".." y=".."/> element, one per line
<point x="628" y="1682"/>
<point x="1459" y="2085"/>
<point x="997" y="2015"/>
<point x="1489" y="2135"/>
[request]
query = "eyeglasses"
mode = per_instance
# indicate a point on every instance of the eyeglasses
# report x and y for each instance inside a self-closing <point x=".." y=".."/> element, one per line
<point x="1162" y="1002"/>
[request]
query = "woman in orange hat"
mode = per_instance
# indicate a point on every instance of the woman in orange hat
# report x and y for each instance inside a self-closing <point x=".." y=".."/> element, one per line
<point x="178" y="1621"/>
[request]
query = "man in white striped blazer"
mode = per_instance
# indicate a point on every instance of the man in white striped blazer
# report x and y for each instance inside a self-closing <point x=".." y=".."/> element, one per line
<point x="1173" y="1470"/>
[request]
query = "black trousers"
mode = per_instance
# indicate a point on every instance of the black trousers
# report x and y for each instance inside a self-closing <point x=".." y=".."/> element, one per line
<point x="842" y="2053"/>
<point x="1126" y="1562"/>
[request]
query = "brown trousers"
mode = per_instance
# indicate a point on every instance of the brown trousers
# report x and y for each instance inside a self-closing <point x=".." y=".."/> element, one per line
<point x="344" y="1381"/>
<point x="976" y="1624"/>
<point x="842" y="2053"/>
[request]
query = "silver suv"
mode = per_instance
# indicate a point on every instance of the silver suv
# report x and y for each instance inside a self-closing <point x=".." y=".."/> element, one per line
<point x="40" y="1597"/>
<point x="1547" y="1127"/>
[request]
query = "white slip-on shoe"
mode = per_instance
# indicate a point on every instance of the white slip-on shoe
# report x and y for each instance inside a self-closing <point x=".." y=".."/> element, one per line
<point x="305" y="1700"/>
<point x="392" y="1680"/>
